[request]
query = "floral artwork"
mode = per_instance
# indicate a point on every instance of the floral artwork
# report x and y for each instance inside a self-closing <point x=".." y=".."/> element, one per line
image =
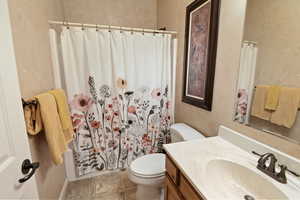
<point x="201" y="41"/>
<point x="197" y="60"/>
<point x="114" y="126"/>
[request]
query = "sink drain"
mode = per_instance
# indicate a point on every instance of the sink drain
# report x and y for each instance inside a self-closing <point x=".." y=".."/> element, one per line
<point x="248" y="197"/>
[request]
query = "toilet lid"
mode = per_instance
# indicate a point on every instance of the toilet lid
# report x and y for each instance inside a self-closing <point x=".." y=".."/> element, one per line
<point x="149" y="165"/>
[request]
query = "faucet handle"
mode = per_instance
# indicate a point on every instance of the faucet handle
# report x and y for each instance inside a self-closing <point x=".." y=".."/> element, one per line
<point x="257" y="154"/>
<point x="290" y="171"/>
<point x="281" y="175"/>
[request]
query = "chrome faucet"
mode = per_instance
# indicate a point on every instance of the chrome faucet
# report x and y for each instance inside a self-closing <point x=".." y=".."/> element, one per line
<point x="270" y="170"/>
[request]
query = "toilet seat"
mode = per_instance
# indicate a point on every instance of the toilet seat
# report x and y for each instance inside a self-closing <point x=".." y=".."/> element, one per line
<point x="149" y="166"/>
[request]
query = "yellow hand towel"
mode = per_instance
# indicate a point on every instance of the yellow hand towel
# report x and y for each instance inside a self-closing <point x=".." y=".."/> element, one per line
<point x="64" y="113"/>
<point x="286" y="112"/>
<point x="52" y="126"/>
<point x="272" y="98"/>
<point x="258" y="105"/>
<point x="33" y="120"/>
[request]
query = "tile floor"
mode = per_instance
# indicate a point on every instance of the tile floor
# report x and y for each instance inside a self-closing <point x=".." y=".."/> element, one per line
<point x="111" y="186"/>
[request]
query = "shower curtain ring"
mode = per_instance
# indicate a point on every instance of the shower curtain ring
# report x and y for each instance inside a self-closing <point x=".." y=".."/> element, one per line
<point x="143" y="32"/>
<point x="131" y="31"/>
<point x="65" y="24"/>
<point x="97" y="28"/>
<point x="68" y="25"/>
<point x="120" y="29"/>
<point x="109" y="29"/>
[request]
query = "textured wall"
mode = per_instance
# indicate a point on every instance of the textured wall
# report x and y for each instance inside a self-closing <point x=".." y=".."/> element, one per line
<point x="30" y="33"/>
<point x="129" y="13"/>
<point x="275" y="27"/>
<point x="171" y="13"/>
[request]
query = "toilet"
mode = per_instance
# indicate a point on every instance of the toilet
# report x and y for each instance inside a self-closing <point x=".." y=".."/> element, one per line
<point x="148" y="171"/>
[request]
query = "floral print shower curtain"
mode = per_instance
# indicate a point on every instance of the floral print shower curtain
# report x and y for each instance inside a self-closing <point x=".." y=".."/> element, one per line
<point x="245" y="86"/>
<point x="119" y="88"/>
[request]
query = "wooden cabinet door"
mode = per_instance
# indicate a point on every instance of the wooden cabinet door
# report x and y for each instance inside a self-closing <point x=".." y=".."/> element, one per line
<point x="187" y="190"/>
<point x="170" y="190"/>
<point x="172" y="170"/>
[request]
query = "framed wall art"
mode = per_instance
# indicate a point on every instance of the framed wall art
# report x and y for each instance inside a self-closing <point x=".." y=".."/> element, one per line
<point x="202" y="21"/>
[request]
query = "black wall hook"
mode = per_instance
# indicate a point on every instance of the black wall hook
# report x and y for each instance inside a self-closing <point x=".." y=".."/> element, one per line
<point x="28" y="103"/>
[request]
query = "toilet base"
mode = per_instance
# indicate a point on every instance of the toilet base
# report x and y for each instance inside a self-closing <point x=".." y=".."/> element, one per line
<point x="149" y="193"/>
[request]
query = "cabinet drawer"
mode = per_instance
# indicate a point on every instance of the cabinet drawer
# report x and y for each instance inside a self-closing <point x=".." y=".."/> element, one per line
<point x="170" y="190"/>
<point x="172" y="170"/>
<point x="187" y="189"/>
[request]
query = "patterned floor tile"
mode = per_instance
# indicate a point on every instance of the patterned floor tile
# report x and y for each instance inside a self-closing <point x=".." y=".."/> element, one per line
<point x="79" y="190"/>
<point x="130" y="194"/>
<point x="110" y="196"/>
<point x="106" y="184"/>
<point x="127" y="184"/>
<point x="110" y="186"/>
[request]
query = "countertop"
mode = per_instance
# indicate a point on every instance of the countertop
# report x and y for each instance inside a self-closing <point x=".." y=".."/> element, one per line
<point x="192" y="157"/>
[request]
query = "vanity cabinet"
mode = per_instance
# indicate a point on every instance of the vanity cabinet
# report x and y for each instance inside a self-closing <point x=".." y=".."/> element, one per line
<point x="177" y="186"/>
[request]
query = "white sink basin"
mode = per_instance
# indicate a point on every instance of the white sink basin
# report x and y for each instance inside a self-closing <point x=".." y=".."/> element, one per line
<point x="235" y="181"/>
<point x="223" y="168"/>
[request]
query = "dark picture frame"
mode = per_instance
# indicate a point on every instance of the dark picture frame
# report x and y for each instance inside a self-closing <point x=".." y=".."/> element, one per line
<point x="201" y="39"/>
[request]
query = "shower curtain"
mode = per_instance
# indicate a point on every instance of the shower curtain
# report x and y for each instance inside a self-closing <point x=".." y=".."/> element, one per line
<point x="246" y="82"/>
<point x="120" y="91"/>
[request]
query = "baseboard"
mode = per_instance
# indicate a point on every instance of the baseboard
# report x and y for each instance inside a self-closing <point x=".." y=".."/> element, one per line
<point x="63" y="190"/>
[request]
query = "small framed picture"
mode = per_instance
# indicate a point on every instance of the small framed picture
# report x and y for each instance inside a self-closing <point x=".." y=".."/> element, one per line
<point x="202" y="21"/>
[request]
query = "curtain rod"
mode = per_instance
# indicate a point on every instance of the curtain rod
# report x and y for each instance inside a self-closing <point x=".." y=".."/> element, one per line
<point x="111" y="27"/>
<point x="250" y="42"/>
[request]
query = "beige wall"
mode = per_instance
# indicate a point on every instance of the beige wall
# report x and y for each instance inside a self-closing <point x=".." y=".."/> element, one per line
<point x="275" y="27"/>
<point x="171" y="13"/>
<point x="129" y="13"/>
<point x="30" y="32"/>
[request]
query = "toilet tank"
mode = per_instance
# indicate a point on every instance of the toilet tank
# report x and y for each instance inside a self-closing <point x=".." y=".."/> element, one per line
<point x="182" y="132"/>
